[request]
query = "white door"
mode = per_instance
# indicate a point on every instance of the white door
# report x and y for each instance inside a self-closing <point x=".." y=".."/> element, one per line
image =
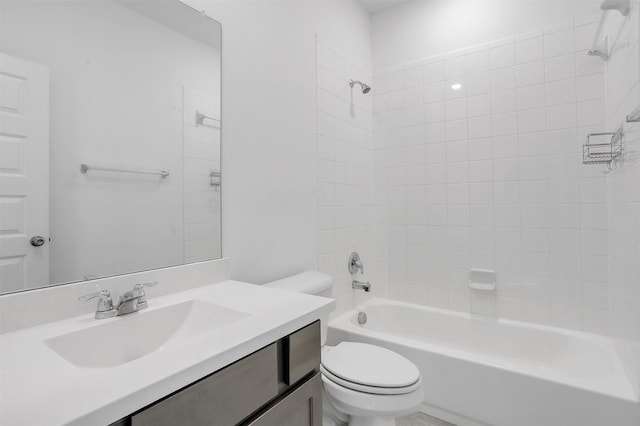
<point x="24" y="174"/>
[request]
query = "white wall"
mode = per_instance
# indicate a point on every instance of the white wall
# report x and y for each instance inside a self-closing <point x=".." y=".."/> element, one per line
<point x="112" y="105"/>
<point x="622" y="74"/>
<point x="269" y="150"/>
<point x="421" y="28"/>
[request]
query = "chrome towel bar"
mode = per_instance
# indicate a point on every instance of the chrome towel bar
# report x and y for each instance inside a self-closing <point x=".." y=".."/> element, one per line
<point x="84" y="168"/>
<point x="200" y="117"/>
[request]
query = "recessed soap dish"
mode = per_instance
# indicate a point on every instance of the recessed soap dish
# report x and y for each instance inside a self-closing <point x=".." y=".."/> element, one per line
<point x="482" y="279"/>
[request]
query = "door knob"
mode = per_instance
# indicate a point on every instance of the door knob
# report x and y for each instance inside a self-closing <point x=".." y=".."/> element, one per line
<point x="37" y="241"/>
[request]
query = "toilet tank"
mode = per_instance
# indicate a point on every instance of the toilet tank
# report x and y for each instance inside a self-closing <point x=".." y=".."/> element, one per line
<point x="309" y="282"/>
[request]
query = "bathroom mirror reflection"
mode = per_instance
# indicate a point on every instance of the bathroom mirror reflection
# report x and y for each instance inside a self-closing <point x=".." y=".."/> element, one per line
<point x="131" y="87"/>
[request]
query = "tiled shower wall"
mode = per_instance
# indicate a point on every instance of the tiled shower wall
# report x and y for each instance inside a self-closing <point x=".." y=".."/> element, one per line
<point x="344" y="137"/>
<point x="623" y="96"/>
<point x="490" y="176"/>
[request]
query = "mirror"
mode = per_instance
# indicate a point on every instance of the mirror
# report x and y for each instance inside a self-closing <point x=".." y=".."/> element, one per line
<point x="109" y="139"/>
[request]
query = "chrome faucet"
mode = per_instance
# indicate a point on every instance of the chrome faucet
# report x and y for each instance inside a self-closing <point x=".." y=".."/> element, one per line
<point x="357" y="285"/>
<point x="355" y="264"/>
<point x="133" y="300"/>
<point x="105" y="304"/>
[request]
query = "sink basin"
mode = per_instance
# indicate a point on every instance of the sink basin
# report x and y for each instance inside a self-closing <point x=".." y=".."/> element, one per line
<point x="124" y="339"/>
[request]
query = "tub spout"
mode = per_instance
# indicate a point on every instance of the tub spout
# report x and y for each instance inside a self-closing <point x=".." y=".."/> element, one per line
<point x="357" y="285"/>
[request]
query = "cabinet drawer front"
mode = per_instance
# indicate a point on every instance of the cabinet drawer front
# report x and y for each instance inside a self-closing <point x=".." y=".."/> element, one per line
<point x="302" y="353"/>
<point x="224" y="398"/>
<point x="302" y="407"/>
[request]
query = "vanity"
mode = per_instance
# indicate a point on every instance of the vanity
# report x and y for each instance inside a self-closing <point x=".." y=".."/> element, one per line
<point x="223" y="354"/>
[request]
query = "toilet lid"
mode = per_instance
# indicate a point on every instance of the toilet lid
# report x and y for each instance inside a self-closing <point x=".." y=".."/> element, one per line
<point x="370" y="365"/>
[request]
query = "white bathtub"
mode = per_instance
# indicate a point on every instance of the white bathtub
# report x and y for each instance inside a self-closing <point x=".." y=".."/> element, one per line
<point x="479" y="371"/>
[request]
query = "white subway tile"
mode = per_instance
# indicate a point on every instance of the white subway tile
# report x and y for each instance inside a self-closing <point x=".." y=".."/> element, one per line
<point x="480" y="149"/>
<point x="433" y="92"/>
<point x="413" y="76"/>
<point x="590" y="87"/>
<point x="478" y="62"/>
<point x="559" y="43"/>
<point x="479" y="84"/>
<point x="479" y="105"/>
<point x="530" y="73"/>
<point x="456" y="109"/>
<point x="481" y="193"/>
<point x="560" y="67"/>
<point x="531" y="97"/>
<point x="503" y="101"/>
<point x="413" y="96"/>
<point x="481" y="215"/>
<point x="454" y="67"/>
<point x="433" y="72"/>
<point x="414" y="116"/>
<point x="591" y="113"/>
<point x="561" y="92"/>
<point x="503" y="79"/>
<point x="529" y="50"/>
<point x="504" y="124"/>
<point x="395" y="81"/>
<point x="456" y="130"/>
<point x="561" y="117"/>
<point x="532" y="120"/>
<point x="479" y="127"/>
<point x="434" y="112"/>
<point x="505" y="146"/>
<point x="503" y="56"/>
<point x="566" y="316"/>
<point x="532" y="144"/>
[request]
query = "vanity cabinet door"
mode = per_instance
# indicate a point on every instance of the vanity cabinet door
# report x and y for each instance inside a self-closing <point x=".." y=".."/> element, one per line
<point x="223" y="399"/>
<point x="302" y="407"/>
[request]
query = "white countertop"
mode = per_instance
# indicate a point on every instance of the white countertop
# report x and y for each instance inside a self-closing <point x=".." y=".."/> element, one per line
<point x="39" y="387"/>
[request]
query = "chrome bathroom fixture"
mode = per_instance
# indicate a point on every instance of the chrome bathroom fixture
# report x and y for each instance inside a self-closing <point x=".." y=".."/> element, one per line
<point x="362" y="318"/>
<point x="134" y="300"/>
<point x="634" y="117"/>
<point x="355" y="264"/>
<point x="200" y="117"/>
<point x="608" y="152"/>
<point x="365" y="87"/>
<point x="84" y="168"/>
<point x="105" y="304"/>
<point x="601" y="48"/>
<point x="131" y="301"/>
<point x="358" y="285"/>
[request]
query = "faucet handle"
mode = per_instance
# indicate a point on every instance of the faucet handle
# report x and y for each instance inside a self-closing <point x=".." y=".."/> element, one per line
<point x="105" y="304"/>
<point x="139" y="286"/>
<point x="142" y="302"/>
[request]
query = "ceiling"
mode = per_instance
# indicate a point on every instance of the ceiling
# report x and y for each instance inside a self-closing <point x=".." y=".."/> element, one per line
<point x="375" y="6"/>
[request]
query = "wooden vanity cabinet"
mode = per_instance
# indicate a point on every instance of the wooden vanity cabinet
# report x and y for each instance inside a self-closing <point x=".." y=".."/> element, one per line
<point x="278" y="385"/>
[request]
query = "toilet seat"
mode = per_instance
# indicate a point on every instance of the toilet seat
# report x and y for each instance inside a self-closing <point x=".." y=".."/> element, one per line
<point x="371" y="369"/>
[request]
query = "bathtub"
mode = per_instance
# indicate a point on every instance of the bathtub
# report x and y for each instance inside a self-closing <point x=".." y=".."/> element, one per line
<point x="479" y="371"/>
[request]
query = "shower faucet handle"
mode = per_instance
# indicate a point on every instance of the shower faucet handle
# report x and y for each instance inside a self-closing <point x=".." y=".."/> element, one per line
<point x="355" y="263"/>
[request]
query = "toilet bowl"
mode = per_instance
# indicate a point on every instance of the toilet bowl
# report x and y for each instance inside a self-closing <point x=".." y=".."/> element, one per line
<point x="364" y="385"/>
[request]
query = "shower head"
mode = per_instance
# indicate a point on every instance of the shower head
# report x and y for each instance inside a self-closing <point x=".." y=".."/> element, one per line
<point x="365" y="87"/>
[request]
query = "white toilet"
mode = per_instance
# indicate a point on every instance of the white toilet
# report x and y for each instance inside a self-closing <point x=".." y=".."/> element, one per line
<point x="364" y="385"/>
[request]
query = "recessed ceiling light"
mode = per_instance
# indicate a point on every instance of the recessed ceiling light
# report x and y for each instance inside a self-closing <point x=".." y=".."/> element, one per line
<point x="456" y="86"/>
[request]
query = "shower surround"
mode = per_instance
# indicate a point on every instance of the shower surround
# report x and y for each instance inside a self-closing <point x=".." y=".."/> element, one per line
<point x="477" y="164"/>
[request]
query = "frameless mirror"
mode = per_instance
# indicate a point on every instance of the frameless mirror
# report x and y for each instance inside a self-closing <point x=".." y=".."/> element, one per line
<point x="109" y="139"/>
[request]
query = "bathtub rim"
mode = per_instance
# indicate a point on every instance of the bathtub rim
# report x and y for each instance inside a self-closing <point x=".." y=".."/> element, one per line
<point x="619" y="387"/>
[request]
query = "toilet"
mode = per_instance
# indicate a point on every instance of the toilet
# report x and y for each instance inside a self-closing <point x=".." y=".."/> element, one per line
<point x="364" y="385"/>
